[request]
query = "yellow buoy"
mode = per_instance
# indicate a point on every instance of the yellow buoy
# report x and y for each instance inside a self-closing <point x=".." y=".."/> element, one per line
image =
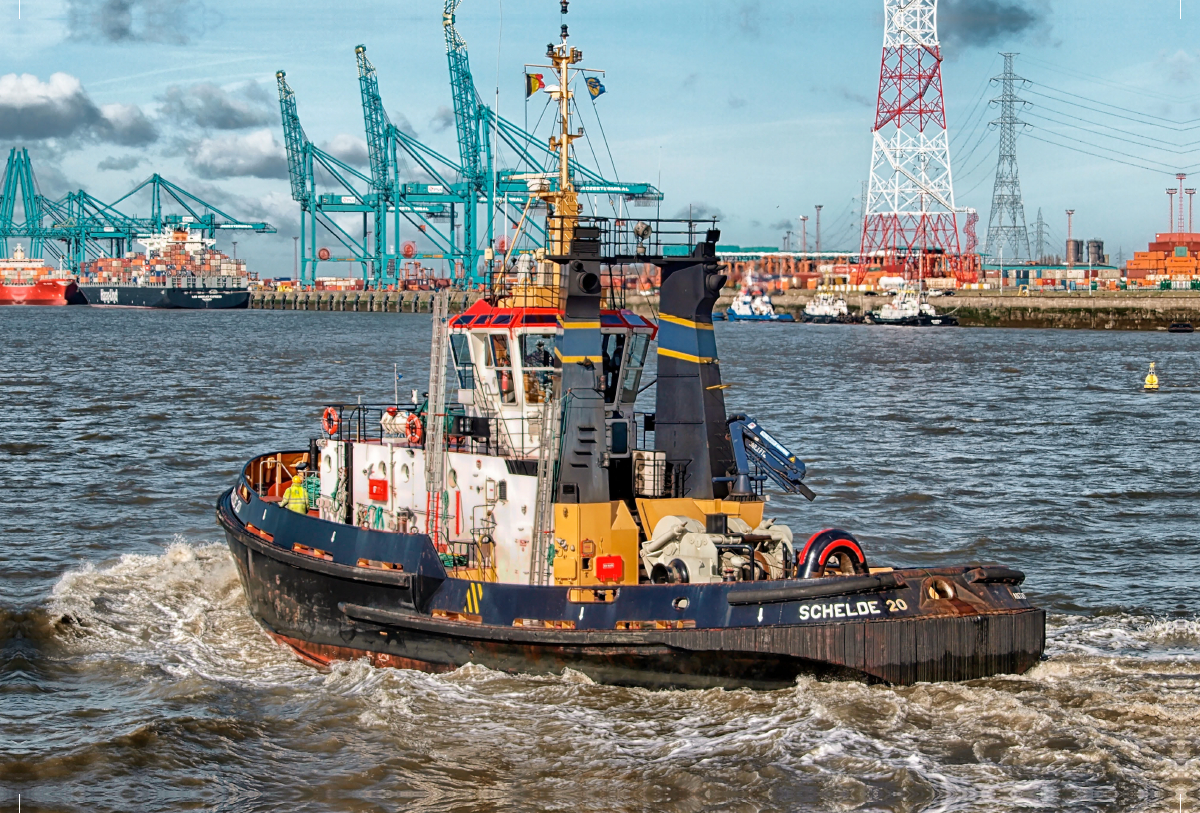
<point x="1151" y="380"/>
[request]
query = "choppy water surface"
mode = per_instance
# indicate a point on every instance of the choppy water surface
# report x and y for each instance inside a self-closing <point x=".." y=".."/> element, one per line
<point x="132" y="677"/>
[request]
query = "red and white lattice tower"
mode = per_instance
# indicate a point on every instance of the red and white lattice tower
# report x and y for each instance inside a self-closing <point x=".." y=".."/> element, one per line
<point x="972" y="236"/>
<point x="910" y="202"/>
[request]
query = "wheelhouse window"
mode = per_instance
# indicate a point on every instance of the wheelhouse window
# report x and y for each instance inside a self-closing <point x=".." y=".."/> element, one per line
<point x="460" y="345"/>
<point x="500" y="359"/>
<point x="633" y="367"/>
<point x="538" y="361"/>
<point x="613" y="350"/>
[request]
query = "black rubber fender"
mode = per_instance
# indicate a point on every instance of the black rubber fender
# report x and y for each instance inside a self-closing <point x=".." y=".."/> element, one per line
<point x="824" y="544"/>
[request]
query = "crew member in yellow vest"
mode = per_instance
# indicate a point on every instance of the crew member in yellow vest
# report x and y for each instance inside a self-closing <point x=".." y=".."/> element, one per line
<point x="296" y="496"/>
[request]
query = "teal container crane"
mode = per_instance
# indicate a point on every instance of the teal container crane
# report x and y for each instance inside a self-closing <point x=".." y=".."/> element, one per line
<point x="315" y="208"/>
<point x="19" y="182"/>
<point x="352" y="192"/>
<point x="475" y="156"/>
<point x="420" y="204"/>
<point x="78" y="226"/>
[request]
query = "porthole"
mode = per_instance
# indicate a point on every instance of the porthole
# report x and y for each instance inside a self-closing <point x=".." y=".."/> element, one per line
<point x="453" y="480"/>
<point x="404" y="473"/>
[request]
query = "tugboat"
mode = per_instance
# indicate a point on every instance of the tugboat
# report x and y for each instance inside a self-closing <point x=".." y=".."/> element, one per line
<point x="826" y="309"/>
<point x="909" y="308"/>
<point x="753" y="304"/>
<point x="539" y="521"/>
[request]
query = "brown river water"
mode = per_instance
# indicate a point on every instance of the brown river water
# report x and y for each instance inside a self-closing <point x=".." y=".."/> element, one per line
<point x="133" y="678"/>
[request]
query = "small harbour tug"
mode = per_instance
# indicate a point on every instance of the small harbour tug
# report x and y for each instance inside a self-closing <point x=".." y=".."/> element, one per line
<point x="752" y="304"/>
<point x="535" y="520"/>
<point x="826" y="309"/>
<point x="909" y="308"/>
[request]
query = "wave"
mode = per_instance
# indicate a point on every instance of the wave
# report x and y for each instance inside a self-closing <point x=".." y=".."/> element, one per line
<point x="1107" y="722"/>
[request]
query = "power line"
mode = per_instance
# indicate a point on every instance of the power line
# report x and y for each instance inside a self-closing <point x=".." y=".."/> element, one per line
<point x="1176" y="126"/>
<point x="1096" y="155"/>
<point x="961" y="132"/>
<point x="1102" y="81"/>
<point x="1182" y="148"/>
<point x="1169" y="167"/>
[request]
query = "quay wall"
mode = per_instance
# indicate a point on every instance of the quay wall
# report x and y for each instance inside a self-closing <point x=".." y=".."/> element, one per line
<point x="1101" y="310"/>
<point x="357" y="301"/>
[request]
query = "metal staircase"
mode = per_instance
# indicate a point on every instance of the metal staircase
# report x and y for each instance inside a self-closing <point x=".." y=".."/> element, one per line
<point x="543" y="523"/>
<point x="435" y="418"/>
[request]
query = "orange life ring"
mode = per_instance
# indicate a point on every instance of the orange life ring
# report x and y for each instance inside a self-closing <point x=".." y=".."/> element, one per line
<point x="412" y="430"/>
<point x="330" y="421"/>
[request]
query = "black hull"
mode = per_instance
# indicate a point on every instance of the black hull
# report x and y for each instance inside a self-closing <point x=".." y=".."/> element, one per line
<point x="740" y="634"/>
<point x="923" y="320"/>
<point x="143" y="296"/>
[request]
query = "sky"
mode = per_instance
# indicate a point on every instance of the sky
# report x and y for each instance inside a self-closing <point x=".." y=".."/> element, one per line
<point x="751" y="110"/>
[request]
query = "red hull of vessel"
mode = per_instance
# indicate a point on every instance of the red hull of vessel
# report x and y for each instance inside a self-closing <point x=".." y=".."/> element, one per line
<point x="42" y="292"/>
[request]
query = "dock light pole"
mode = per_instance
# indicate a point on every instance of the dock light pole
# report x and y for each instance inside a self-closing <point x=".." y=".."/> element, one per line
<point x="1181" y="177"/>
<point x="235" y="250"/>
<point x="819" y="208"/>
<point x="295" y="259"/>
<point x="1070" y="256"/>
<point x="1191" y="193"/>
<point x="1171" y="210"/>
<point x="803" y="232"/>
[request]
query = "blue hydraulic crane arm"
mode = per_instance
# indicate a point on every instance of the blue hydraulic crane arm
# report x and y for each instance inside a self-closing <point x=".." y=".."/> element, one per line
<point x="376" y="121"/>
<point x="294" y="141"/>
<point x="752" y="443"/>
<point x="466" y="100"/>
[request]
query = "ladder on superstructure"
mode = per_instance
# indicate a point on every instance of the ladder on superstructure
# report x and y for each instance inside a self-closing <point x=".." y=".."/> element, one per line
<point x="435" y="421"/>
<point x="543" y="522"/>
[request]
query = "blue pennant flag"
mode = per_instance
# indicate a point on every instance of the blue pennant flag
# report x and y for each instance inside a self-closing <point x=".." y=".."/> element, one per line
<point x="594" y="87"/>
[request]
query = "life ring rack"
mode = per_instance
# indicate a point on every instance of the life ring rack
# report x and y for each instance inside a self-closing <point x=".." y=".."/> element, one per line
<point x="330" y="420"/>
<point x="413" y="431"/>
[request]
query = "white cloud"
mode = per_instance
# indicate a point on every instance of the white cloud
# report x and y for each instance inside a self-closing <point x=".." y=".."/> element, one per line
<point x="348" y="148"/>
<point x="57" y="108"/>
<point x="210" y="106"/>
<point x="255" y="155"/>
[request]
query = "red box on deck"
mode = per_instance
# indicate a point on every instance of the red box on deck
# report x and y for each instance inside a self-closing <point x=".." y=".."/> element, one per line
<point x="610" y="568"/>
<point x="377" y="489"/>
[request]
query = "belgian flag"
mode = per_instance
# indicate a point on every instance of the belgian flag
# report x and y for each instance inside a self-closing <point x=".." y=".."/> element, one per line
<point x="533" y="83"/>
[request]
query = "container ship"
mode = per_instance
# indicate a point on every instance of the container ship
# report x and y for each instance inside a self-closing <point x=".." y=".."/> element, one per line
<point x="180" y="269"/>
<point x="536" y="520"/>
<point x="26" y="281"/>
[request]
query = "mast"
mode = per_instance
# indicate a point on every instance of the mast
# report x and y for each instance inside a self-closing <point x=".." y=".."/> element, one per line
<point x="562" y="199"/>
